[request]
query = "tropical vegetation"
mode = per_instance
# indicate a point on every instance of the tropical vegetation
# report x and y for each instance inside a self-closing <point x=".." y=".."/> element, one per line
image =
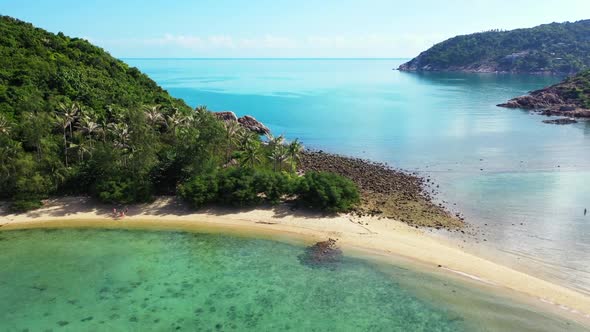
<point x="577" y="89"/>
<point x="74" y="120"/>
<point x="562" y="48"/>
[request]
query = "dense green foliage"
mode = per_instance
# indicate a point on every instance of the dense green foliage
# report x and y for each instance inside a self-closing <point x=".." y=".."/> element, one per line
<point x="555" y="47"/>
<point x="238" y="187"/>
<point x="74" y="120"/>
<point x="577" y="88"/>
<point x="247" y="187"/>
<point x="327" y="191"/>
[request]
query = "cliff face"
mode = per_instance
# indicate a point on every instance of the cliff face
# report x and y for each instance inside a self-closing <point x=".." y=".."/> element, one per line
<point x="557" y="48"/>
<point x="569" y="98"/>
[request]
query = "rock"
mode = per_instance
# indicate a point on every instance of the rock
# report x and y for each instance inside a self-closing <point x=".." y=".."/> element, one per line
<point x="322" y="254"/>
<point x="556" y="100"/>
<point x="561" y="121"/>
<point x="576" y="113"/>
<point x="226" y="116"/>
<point x="254" y="125"/>
<point x="247" y="122"/>
<point x="544" y="98"/>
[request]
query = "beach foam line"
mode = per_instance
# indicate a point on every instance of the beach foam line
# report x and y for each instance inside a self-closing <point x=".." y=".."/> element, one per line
<point x="470" y="276"/>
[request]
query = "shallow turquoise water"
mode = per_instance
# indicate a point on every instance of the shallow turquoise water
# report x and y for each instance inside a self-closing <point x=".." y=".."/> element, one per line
<point x="119" y="280"/>
<point x="501" y="167"/>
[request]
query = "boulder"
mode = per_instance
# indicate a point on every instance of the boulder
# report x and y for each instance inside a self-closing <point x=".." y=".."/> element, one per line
<point x="247" y="122"/>
<point x="254" y="125"/>
<point x="226" y="116"/>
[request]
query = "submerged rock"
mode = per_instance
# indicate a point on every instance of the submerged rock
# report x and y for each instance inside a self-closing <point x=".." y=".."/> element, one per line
<point x="322" y="254"/>
<point x="561" y="121"/>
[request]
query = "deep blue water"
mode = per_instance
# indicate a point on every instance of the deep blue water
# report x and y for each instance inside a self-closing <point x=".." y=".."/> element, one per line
<point x="501" y="167"/>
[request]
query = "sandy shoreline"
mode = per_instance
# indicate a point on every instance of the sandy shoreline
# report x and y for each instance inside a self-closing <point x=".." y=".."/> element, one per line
<point x="382" y="239"/>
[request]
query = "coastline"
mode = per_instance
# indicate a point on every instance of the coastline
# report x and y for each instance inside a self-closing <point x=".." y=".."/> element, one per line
<point x="378" y="239"/>
<point x="387" y="192"/>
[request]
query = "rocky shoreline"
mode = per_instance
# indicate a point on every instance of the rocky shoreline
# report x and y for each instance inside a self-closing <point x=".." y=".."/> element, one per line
<point x="556" y="100"/>
<point x="475" y="70"/>
<point x="385" y="192"/>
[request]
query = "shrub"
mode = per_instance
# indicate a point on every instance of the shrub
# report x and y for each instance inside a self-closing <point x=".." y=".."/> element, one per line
<point x="275" y="185"/>
<point x="124" y="191"/>
<point x="200" y="190"/>
<point x="248" y="187"/>
<point x="31" y="190"/>
<point x="25" y="203"/>
<point x="237" y="186"/>
<point x="327" y="191"/>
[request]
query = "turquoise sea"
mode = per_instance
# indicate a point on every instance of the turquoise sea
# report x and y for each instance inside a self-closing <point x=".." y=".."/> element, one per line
<point x="523" y="183"/>
<point x="119" y="280"/>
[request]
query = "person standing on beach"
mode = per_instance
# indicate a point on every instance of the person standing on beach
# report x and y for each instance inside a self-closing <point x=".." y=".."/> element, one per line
<point x="585" y="211"/>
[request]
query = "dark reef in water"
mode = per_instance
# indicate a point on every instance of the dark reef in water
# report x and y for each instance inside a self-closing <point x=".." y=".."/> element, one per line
<point x="561" y="121"/>
<point x="322" y="254"/>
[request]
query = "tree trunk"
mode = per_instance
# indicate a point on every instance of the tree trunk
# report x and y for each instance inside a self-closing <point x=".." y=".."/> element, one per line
<point x="65" y="147"/>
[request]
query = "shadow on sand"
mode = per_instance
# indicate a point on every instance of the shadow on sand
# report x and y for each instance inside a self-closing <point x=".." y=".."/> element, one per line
<point x="162" y="206"/>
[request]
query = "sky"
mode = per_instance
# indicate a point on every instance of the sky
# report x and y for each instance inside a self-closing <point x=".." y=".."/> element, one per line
<point x="281" y="28"/>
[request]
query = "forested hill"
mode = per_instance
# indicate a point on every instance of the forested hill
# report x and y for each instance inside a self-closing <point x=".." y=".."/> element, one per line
<point x="76" y="121"/>
<point x="558" y="48"/>
<point x="39" y="70"/>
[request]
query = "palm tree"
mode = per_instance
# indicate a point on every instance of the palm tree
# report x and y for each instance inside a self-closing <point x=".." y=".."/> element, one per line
<point x="89" y="127"/>
<point x="176" y="119"/>
<point x="8" y="153"/>
<point x="121" y="139"/>
<point x="4" y="125"/>
<point x="201" y="109"/>
<point x="83" y="148"/>
<point x="294" y="151"/>
<point x="274" y="141"/>
<point x="69" y="113"/>
<point x="278" y="154"/>
<point x="63" y="122"/>
<point x="250" y="149"/>
<point x="121" y="134"/>
<point x="154" y="115"/>
<point x="232" y="129"/>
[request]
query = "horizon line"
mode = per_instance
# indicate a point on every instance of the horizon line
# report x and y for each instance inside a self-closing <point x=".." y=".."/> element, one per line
<point x="261" y="58"/>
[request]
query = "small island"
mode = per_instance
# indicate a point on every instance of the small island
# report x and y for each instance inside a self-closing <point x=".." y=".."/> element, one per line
<point x="556" y="48"/>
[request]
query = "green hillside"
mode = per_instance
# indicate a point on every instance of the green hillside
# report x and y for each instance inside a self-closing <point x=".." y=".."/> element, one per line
<point x="39" y="70"/>
<point x="559" y="48"/>
<point x="75" y="120"/>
